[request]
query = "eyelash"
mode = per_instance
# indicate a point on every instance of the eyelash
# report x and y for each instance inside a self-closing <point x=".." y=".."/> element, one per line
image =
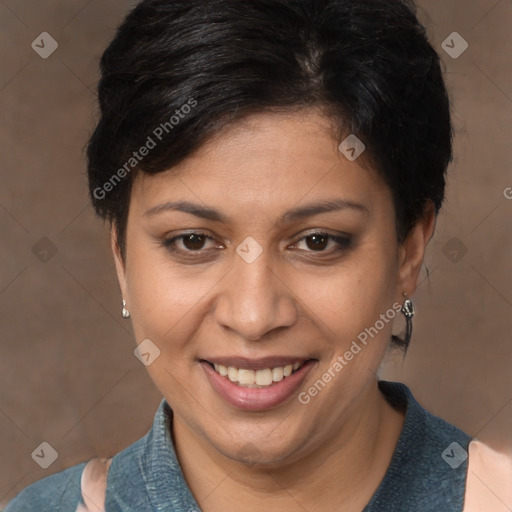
<point x="344" y="243"/>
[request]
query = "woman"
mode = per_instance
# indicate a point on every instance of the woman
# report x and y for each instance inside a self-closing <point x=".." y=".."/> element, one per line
<point x="272" y="171"/>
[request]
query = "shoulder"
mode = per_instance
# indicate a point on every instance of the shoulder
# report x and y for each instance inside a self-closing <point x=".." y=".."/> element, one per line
<point x="439" y="447"/>
<point x="127" y="473"/>
<point x="59" y="492"/>
<point x="429" y="466"/>
<point x="62" y="492"/>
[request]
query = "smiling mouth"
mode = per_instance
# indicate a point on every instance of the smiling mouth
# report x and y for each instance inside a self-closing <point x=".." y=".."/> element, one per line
<point x="262" y="378"/>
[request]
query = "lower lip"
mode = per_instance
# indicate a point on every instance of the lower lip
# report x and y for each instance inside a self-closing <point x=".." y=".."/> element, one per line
<point x="257" y="399"/>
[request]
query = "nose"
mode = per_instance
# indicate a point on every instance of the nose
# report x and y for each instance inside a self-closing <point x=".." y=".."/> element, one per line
<point x="254" y="300"/>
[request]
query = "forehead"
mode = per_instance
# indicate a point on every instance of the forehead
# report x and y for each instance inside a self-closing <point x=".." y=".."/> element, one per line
<point x="263" y="161"/>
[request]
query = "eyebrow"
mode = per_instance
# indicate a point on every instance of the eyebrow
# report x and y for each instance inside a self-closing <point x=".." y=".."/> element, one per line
<point x="321" y="207"/>
<point x="290" y="216"/>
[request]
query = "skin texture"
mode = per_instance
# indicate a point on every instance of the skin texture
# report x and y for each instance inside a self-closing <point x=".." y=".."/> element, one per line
<point x="291" y="301"/>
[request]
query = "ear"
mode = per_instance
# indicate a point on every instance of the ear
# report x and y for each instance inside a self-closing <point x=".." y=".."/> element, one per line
<point x="412" y="251"/>
<point x="120" y="264"/>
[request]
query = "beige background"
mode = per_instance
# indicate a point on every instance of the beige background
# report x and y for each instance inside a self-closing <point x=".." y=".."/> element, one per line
<point x="67" y="371"/>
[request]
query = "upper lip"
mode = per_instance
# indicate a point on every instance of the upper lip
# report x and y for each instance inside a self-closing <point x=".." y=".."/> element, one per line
<point x="256" y="364"/>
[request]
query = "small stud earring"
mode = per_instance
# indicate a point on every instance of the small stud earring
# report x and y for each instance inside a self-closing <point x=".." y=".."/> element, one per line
<point x="125" y="312"/>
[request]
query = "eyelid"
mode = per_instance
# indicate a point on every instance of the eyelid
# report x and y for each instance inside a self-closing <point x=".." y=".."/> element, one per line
<point x="317" y="231"/>
<point x="168" y="240"/>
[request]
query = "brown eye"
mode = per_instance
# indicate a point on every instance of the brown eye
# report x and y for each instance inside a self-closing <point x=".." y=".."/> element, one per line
<point x="191" y="245"/>
<point x="317" y="242"/>
<point x="194" y="242"/>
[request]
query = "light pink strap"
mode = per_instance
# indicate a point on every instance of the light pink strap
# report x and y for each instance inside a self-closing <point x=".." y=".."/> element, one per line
<point x="489" y="480"/>
<point x="94" y="485"/>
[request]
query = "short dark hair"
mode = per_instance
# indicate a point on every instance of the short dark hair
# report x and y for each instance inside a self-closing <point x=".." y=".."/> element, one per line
<point x="367" y="63"/>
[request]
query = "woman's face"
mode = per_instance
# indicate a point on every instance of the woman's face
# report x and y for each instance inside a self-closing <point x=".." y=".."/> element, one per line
<point x="267" y="248"/>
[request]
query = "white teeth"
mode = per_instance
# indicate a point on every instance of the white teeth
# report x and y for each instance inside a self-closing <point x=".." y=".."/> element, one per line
<point x="233" y="374"/>
<point x="246" y="377"/>
<point x="264" y="377"/>
<point x="278" y="374"/>
<point x="256" y="378"/>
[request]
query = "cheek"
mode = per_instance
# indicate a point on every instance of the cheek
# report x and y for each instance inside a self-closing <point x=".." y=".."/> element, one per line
<point x="351" y="298"/>
<point x="165" y="299"/>
<point x="169" y="301"/>
<point x="168" y="308"/>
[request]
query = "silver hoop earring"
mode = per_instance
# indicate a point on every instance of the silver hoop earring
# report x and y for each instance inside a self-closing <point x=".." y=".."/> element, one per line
<point x="408" y="309"/>
<point x="125" y="312"/>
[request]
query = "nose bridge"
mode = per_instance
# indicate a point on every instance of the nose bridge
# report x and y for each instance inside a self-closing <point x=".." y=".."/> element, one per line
<point x="253" y="301"/>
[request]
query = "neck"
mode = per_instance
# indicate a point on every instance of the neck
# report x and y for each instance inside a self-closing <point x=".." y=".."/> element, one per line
<point x="347" y="467"/>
